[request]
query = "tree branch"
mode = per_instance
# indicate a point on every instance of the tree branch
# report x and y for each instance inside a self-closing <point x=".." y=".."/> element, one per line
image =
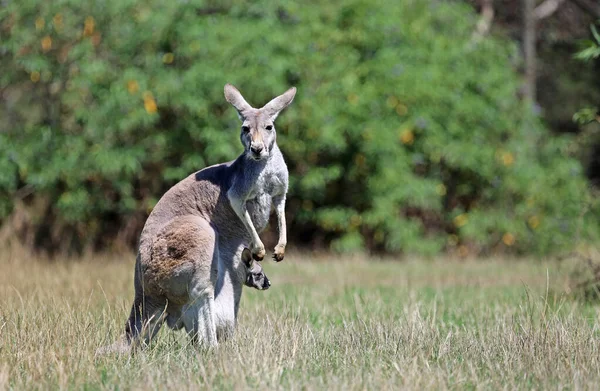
<point x="485" y="21"/>
<point x="547" y="8"/>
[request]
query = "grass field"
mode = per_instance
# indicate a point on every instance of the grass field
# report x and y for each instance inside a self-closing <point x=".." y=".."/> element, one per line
<point x="325" y="324"/>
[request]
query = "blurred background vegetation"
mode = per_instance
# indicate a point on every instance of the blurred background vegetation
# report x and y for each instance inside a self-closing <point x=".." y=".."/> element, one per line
<point x="419" y="127"/>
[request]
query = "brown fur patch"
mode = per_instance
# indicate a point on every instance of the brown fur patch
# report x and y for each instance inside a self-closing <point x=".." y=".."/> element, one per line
<point x="183" y="245"/>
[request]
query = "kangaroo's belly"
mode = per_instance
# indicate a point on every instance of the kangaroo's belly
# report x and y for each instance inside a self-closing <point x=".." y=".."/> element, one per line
<point x="260" y="209"/>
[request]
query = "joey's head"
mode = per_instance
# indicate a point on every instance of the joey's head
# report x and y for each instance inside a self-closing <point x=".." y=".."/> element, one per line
<point x="258" y="127"/>
<point x="255" y="277"/>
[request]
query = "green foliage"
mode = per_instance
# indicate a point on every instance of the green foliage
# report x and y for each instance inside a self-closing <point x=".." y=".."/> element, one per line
<point x="586" y="115"/>
<point x="591" y="52"/>
<point x="404" y="136"/>
<point x="592" y="49"/>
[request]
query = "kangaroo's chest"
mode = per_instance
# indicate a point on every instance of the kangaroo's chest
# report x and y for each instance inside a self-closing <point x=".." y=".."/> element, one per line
<point x="260" y="199"/>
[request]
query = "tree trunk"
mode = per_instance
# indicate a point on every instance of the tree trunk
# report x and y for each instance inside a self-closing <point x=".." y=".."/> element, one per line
<point x="529" y="49"/>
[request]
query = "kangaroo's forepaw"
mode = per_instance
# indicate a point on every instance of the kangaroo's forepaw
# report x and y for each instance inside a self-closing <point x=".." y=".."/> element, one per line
<point x="279" y="253"/>
<point x="258" y="254"/>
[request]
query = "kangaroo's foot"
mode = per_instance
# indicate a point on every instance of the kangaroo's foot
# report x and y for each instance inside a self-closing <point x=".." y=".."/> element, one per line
<point x="258" y="252"/>
<point x="279" y="253"/>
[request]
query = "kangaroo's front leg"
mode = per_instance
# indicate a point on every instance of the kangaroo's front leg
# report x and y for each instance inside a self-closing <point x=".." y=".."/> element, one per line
<point x="279" y="252"/>
<point x="239" y="206"/>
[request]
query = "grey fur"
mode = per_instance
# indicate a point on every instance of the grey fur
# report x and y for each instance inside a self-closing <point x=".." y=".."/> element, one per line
<point x="255" y="278"/>
<point x="189" y="268"/>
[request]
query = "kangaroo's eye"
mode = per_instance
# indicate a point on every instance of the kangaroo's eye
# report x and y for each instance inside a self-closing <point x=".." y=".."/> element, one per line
<point x="245" y="129"/>
<point x="269" y="127"/>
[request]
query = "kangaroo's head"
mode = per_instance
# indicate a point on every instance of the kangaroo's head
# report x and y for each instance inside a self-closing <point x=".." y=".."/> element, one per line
<point x="255" y="277"/>
<point x="258" y="128"/>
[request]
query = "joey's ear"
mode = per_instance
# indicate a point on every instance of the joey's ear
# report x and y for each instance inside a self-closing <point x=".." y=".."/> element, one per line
<point x="281" y="102"/>
<point x="233" y="96"/>
<point x="247" y="258"/>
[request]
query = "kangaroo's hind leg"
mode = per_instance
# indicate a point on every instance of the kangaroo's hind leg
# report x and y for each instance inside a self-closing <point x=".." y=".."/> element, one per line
<point x="147" y="313"/>
<point x="199" y="319"/>
<point x="199" y="313"/>
<point x="145" y="320"/>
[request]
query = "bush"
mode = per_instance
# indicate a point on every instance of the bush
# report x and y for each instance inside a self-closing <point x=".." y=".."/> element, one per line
<point x="583" y="271"/>
<point x="404" y="136"/>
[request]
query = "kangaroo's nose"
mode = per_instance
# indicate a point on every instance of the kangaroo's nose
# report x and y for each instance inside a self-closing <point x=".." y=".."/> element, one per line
<point x="257" y="149"/>
<point x="267" y="283"/>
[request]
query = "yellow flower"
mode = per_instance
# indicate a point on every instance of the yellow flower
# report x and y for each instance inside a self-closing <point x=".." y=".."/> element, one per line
<point x="40" y="23"/>
<point x="508" y="239"/>
<point x="89" y="26"/>
<point x="355" y="221"/>
<point x="168" y="58"/>
<point x="452" y="240"/>
<point x="58" y="22"/>
<point x="461" y="220"/>
<point x="533" y="222"/>
<point x="401" y="109"/>
<point x="149" y="102"/>
<point x="407" y="136"/>
<point x="46" y="43"/>
<point x="35" y="76"/>
<point x="508" y="159"/>
<point x="150" y="105"/>
<point x="440" y="189"/>
<point x="132" y="86"/>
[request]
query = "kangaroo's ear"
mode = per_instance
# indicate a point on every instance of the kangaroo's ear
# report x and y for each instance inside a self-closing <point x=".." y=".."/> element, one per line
<point x="281" y="102"/>
<point x="247" y="258"/>
<point x="236" y="99"/>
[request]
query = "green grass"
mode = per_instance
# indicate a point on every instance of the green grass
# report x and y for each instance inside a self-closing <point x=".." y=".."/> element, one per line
<point x="325" y="324"/>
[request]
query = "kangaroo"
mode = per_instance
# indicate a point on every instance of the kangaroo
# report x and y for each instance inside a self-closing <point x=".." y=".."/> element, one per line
<point x="255" y="278"/>
<point x="186" y="317"/>
<point x="190" y="255"/>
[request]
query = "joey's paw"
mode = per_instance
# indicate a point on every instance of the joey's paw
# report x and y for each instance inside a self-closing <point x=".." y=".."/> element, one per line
<point x="258" y="254"/>
<point x="278" y="253"/>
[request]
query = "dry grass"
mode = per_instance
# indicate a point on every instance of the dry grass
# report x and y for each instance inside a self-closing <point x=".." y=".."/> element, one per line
<point x="323" y="325"/>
